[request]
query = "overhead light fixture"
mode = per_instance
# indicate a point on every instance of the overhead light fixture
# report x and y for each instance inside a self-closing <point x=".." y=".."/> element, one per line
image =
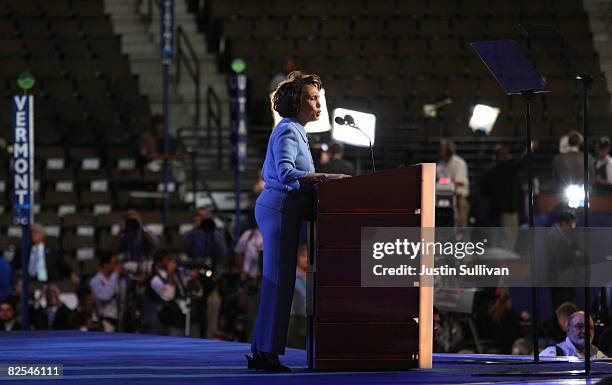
<point x="347" y="133"/>
<point x="320" y="125"/>
<point x="483" y="118"/>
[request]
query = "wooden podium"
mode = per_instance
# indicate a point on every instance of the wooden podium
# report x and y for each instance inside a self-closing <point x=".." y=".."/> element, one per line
<point x="367" y="328"/>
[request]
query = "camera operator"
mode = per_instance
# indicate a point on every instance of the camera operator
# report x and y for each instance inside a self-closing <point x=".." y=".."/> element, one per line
<point x="169" y="288"/>
<point x="134" y="239"/>
<point x="206" y="241"/>
<point x="136" y="244"/>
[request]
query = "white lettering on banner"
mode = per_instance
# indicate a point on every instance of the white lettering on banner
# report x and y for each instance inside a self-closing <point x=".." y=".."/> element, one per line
<point x="21" y="166"/>
<point x="21" y="149"/>
<point x="21" y="182"/>
<point x="20" y="135"/>
<point x="23" y="158"/>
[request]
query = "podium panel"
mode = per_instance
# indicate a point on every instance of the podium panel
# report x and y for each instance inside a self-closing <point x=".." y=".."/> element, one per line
<point x="365" y="328"/>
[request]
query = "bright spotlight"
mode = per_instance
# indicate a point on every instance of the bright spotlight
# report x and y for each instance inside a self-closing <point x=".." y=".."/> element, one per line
<point x="574" y="194"/>
<point x="348" y="133"/>
<point x="321" y="125"/>
<point x="483" y="118"/>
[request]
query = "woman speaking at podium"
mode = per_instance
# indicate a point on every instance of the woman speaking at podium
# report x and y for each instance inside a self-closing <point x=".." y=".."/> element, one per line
<point x="289" y="173"/>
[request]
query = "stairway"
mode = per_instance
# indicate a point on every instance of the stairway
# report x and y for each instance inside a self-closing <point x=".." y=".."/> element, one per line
<point x="140" y="41"/>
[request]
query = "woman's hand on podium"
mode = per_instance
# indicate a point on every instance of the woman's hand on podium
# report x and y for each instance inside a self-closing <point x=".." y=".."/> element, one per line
<point x="317" y="177"/>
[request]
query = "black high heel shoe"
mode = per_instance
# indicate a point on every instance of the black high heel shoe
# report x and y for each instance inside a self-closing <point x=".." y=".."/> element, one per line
<point x="260" y="362"/>
<point x="253" y="361"/>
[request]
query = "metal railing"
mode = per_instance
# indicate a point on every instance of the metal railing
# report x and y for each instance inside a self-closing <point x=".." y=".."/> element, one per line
<point x="213" y="117"/>
<point x="185" y="54"/>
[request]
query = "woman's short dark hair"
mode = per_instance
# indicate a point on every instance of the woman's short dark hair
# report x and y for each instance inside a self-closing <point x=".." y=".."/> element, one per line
<point x="288" y="95"/>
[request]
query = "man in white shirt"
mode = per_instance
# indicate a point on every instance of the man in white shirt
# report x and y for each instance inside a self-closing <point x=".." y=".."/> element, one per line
<point x="568" y="168"/>
<point x="170" y="290"/>
<point x="248" y="252"/>
<point x="454" y="167"/>
<point x="574" y="343"/>
<point x="105" y="289"/>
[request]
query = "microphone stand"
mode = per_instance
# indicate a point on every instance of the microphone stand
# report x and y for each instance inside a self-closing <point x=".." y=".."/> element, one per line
<point x="353" y="125"/>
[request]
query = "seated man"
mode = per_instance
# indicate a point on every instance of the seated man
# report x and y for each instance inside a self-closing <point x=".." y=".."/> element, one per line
<point x="574" y="343"/>
<point x="8" y="318"/>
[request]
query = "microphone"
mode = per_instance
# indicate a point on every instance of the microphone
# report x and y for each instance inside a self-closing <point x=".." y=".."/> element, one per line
<point x="349" y="121"/>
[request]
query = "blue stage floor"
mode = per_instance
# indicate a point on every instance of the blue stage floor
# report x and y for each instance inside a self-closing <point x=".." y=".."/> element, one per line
<point x="98" y="358"/>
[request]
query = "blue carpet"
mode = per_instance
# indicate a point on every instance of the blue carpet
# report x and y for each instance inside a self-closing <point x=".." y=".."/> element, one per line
<point x="98" y="358"/>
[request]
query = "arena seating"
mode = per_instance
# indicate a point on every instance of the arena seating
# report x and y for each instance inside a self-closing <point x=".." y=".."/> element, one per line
<point x="390" y="57"/>
<point x="89" y="114"/>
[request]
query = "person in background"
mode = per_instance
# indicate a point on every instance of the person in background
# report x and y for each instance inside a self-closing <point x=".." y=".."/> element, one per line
<point x="8" y="319"/>
<point x="105" y="289"/>
<point x="564" y="255"/>
<point x="501" y="184"/>
<point x="603" y="165"/>
<point x="87" y="318"/>
<point x="49" y="312"/>
<point x="135" y="241"/>
<point x="436" y="330"/>
<point x="454" y="167"/>
<point x="167" y="289"/>
<point x="568" y="168"/>
<point x="248" y="251"/>
<point x="332" y="160"/>
<point x="555" y="330"/>
<point x="296" y="337"/>
<point x="44" y="263"/>
<point x="206" y="241"/>
<point x="151" y="147"/>
<point x="574" y="343"/>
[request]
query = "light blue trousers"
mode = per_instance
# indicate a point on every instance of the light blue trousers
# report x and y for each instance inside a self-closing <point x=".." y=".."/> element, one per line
<point x="280" y="231"/>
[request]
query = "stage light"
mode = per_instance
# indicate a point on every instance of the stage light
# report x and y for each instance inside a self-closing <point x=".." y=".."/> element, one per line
<point x="483" y="118"/>
<point x="321" y="125"/>
<point x="347" y="133"/>
<point x="574" y="194"/>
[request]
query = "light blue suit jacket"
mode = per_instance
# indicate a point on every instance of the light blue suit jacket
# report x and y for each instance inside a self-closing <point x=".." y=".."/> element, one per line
<point x="288" y="158"/>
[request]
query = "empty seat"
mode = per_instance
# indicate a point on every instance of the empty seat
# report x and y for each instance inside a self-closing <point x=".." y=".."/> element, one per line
<point x="10" y="47"/>
<point x="90" y="198"/>
<point x="412" y="9"/>
<point x="335" y="28"/>
<point x="57" y="8"/>
<point x="33" y="28"/>
<point x="303" y="28"/>
<point x="74" y="49"/>
<point x="89" y="8"/>
<point x="98" y="28"/>
<point x="269" y="29"/>
<point x="380" y="8"/>
<point x="65" y="28"/>
<point x="435" y="27"/>
<point x="378" y="47"/>
<point x="385" y="65"/>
